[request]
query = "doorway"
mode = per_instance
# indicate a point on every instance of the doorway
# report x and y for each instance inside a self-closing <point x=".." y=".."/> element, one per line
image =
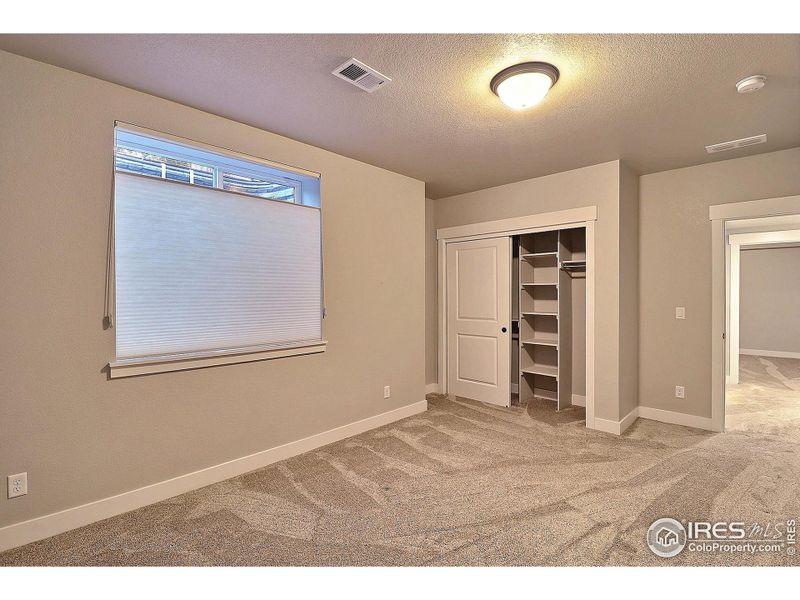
<point x="762" y="391"/>
<point x="755" y="321"/>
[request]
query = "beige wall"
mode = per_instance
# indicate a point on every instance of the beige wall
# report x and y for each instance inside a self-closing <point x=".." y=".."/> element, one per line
<point x="628" y="290"/>
<point x="675" y="268"/>
<point x="769" y="317"/>
<point x="431" y="301"/>
<point x="597" y="185"/>
<point x="82" y="437"/>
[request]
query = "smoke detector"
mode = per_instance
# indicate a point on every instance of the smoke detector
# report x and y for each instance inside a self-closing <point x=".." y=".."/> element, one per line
<point x="360" y="75"/>
<point x="751" y="84"/>
<point x="748" y="141"/>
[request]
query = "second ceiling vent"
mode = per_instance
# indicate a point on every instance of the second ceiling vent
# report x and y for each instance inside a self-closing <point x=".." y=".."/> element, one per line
<point x="733" y="144"/>
<point x="360" y="75"/>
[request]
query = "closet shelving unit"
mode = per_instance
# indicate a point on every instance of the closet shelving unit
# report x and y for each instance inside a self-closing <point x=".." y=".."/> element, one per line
<point x="546" y="261"/>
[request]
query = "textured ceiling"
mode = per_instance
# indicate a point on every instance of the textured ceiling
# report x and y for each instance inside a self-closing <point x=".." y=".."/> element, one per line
<point x="653" y="100"/>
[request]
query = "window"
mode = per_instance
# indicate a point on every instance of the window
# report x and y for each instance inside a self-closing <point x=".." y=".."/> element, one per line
<point x="217" y="256"/>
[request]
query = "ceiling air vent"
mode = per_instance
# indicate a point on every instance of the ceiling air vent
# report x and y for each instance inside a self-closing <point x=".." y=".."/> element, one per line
<point x="748" y="141"/>
<point x="360" y="75"/>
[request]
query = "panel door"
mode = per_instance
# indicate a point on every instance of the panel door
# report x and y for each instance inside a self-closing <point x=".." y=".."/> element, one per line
<point x="479" y="320"/>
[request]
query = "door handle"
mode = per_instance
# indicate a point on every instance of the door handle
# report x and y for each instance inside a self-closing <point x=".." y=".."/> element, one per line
<point x="504" y="329"/>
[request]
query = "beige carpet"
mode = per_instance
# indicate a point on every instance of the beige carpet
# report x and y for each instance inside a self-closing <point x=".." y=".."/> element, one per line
<point x="767" y="399"/>
<point x="467" y="484"/>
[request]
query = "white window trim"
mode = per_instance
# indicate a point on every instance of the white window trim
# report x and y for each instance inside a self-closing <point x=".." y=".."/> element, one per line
<point x="131" y="367"/>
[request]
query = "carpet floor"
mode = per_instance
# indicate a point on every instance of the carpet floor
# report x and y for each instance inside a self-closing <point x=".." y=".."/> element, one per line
<point x="767" y="399"/>
<point x="470" y="484"/>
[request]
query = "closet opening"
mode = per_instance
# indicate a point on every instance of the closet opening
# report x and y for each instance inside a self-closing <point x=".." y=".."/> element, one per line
<point x="516" y="308"/>
<point x="549" y="311"/>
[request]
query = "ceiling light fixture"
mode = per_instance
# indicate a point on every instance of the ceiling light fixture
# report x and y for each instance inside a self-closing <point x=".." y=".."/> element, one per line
<point x="751" y="84"/>
<point x="524" y="85"/>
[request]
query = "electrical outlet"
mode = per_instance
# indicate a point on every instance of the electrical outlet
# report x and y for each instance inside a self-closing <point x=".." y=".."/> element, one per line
<point x="387" y="392"/>
<point x="680" y="312"/>
<point x="17" y="485"/>
<point x="679" y="391"/>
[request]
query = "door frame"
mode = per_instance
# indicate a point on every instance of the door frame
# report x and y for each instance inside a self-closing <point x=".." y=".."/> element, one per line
<point x="562" y="219"/>
<point x="719" y="215"/>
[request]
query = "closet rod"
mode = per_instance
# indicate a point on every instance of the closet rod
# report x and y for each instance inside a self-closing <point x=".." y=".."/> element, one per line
<point x="573" y="265"/>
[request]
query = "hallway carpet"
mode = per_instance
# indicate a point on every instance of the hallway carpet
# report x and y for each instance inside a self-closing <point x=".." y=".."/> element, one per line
<point x="462" y="484"/>
<point x="767" y="399"/>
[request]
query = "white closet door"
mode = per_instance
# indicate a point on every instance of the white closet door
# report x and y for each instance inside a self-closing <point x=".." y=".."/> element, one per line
<point x="479" y="320"/>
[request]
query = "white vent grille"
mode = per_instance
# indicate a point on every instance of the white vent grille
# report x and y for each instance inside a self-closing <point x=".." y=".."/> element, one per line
<point x="748" y="141"/>
<point x="360" y="75"/>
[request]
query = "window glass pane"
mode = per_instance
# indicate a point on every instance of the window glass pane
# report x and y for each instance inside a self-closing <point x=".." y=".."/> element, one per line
<point x="164" y="167"/>
<point x="257" y="187"/>
<point x="155" y="164"/>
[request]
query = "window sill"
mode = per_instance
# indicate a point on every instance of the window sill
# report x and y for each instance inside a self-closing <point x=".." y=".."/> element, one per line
<point x="164" y="364"/>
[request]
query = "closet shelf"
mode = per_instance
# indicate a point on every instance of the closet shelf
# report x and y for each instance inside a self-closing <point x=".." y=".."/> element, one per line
<point x="540" y="342"/>
<point x="540" y="314"/>
<point x="550" y="283"/>
<point x="545" y="394"/>
<point x="534" y="255"/>
<point x="547" y="370"/>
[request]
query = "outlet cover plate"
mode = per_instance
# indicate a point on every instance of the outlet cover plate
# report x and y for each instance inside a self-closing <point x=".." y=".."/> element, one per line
<point x="17" y="485"/>
<point x="680" y="392"/>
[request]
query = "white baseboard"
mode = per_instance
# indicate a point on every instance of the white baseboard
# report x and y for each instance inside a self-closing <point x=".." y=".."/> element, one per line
<point x="769" y="353"/>
<point x="606" y="425"/>
<point x="432" y="388"/>
<point x="616" y="427"/>
<point x="629" y="419"/>
<point x="39" y="528"/>
<point x="578" y="400"/>
<point x="653" y="414"/>
<point x="675" y="418"/>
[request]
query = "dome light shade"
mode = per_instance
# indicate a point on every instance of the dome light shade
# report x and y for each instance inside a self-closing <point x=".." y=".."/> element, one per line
<point x="524" y="85"/>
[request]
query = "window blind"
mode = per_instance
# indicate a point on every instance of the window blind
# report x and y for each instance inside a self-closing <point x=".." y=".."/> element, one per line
<point x="199" y="270"/>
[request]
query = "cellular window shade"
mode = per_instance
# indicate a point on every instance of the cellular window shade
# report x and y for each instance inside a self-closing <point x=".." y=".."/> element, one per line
<point x="199" y="270"/>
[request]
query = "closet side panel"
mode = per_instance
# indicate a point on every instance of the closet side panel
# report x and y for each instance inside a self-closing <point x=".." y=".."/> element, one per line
<point x="578" y="292"/>
<point x="514" y="374"/>
<point x="578" y="246"/>
<point x="564" y="324"/>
